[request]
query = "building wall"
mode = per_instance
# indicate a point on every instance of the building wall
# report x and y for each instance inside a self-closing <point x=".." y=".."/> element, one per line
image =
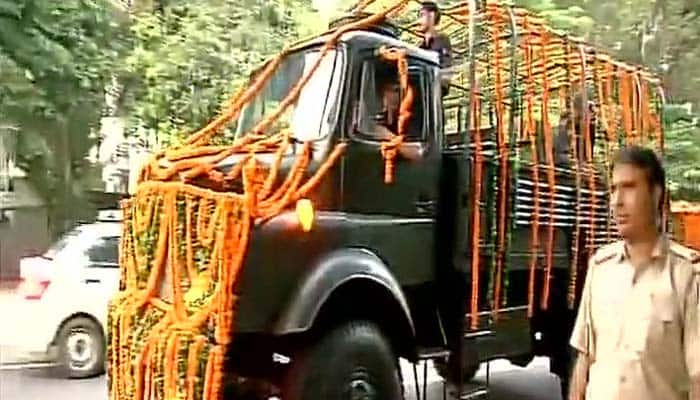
<point x="23" y="232"/>
<point x="24" y="226"/>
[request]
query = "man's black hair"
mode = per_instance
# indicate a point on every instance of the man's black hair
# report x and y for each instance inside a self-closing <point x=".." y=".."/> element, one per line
<point x="645" y="159"/>
<point x="431" y="6"/>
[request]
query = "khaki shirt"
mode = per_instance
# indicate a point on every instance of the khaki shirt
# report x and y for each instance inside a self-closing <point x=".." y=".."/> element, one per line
<point x="640" y="328"/>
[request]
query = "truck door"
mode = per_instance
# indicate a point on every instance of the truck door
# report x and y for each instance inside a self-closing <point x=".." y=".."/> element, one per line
<point x="397" y="219"/>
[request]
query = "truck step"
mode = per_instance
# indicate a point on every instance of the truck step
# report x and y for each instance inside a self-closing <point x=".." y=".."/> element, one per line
<point x="474" y="392"/>
<point x="478" y="334"/>
<point x="432" y="353"/>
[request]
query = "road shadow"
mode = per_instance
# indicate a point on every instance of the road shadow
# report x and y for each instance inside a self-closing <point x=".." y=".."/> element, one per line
<point x="38" y="373"/>
<point x="505" y="386"/>
<point x="46" y="384"/>
<point x="506" y="382"/>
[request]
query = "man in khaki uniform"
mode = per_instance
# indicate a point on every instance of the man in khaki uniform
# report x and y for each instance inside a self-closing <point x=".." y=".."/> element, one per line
<point x="637" y="332"/>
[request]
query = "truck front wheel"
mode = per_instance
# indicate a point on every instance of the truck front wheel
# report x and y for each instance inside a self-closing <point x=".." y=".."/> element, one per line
<point x="353" y="361"/>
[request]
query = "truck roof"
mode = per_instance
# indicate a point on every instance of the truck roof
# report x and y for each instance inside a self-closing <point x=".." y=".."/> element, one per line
<point x="375" y="37"/>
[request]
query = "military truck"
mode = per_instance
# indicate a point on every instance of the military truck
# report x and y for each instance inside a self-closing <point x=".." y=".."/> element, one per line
<point x="472" y="245"/>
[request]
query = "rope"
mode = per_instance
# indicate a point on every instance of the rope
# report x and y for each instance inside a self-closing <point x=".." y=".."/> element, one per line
<point x="503" y="171"/>
<point x="531" y="131"/>
<point x="551" y="179"/>
<point x="475" y="123"/>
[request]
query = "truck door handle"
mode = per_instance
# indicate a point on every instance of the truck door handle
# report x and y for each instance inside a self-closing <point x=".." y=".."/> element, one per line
<point x="426" y="206"/>
<point x="92" y="281"/>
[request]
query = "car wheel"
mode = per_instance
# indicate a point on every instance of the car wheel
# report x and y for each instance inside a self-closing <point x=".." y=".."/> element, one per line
<point x="81" y="349"/>
<point x="354" y="361"/>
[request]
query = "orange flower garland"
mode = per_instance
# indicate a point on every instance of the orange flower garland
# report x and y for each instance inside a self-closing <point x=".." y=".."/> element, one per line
<point x="390" y="148"/>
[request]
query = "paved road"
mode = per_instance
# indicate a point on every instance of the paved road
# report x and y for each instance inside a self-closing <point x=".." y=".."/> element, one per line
<point x="507" y="382"/>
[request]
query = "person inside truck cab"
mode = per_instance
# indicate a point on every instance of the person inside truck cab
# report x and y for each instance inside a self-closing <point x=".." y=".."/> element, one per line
<point x="386" y="121"/>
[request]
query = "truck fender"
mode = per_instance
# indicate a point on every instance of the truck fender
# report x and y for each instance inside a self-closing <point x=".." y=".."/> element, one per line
<point x="330" y="273"/>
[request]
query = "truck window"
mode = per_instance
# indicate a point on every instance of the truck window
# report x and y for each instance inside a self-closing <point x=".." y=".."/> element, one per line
<point x="455" y="114"/>
<point x="380" y="99"/>
<point x="320" y="93"/>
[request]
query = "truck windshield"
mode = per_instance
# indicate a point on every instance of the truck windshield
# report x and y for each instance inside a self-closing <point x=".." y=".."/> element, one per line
<point x="314" y="113"/>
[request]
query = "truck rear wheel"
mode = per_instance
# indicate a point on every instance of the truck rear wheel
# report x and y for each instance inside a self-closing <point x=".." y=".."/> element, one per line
<point x="353" y="361"/>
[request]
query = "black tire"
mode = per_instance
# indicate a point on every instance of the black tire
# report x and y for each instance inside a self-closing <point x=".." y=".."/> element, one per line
<point x="81" y="349"/>
<point x="352" y="357"/>
<point x="564" y="387"/>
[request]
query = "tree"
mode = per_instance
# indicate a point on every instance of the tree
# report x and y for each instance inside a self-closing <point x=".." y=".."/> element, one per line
<point x="663" y="36"/>
<point x="659" y="34"/>
<point x="682" y="130"/>
<point x="54" y="61"/>
<point x="570" y="17"/>
<point x="188" y="59"/>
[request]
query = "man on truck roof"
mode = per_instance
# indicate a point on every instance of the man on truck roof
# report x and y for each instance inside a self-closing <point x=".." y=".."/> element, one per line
<point x="637" y="333"/>
<point x="429" y="18"/>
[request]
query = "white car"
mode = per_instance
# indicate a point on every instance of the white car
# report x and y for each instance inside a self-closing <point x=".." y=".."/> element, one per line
<point x="60" y="309"/>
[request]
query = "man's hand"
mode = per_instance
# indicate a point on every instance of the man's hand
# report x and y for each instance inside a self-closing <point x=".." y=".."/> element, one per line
<point x="579" y="378"/>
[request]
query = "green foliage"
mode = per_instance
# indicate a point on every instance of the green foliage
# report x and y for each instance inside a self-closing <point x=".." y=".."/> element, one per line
<point x="682" y="159"/>
<point x="571" y="18"/>
<point x="662" y="35"/>
<point x="55" y="58"/>
<point x="187" y="60"/>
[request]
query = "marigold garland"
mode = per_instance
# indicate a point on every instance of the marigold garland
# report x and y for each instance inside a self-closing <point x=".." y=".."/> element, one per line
<point x="531" y="130"/>
<point x="551" y="178"/>
<point x="504" y="169"/>
<point x="475" y="123"/>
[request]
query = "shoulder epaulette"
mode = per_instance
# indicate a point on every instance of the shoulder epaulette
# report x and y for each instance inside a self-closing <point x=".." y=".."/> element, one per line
<point x="685" y="253"/>
<point x="606" y="253"/>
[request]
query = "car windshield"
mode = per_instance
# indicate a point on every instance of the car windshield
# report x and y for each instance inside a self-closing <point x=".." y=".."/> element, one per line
<point x="314" y="113"/>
